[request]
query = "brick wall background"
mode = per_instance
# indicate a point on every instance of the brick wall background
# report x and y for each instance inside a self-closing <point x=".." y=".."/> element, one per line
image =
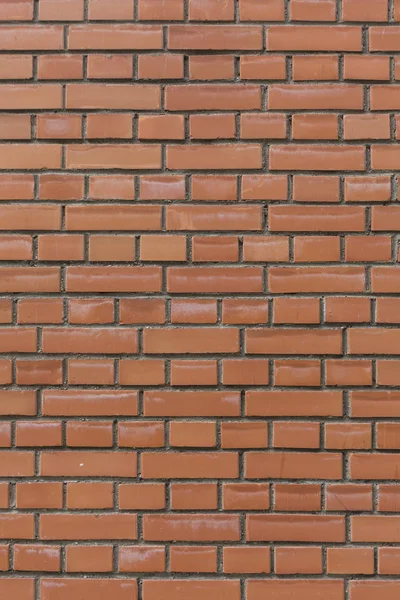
<point x="199" y="300"/>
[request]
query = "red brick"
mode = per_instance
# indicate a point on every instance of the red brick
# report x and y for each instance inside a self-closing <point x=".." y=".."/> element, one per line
<point x="195" y="559"/>
<point x="88" y="559"/>
<point x="159" y="11"/>
<point x="37" y="558"/>
<point x="317" y="158"/>
<point x="316" y="67"/>
<point x="210" y="67"/>
<point x="89" y="495"/>
<point x="214" y="37"/>
<point x="160" y="66"/>
<point x="304" y="10"/>
<point x="119" y="36"/>
<point x="252" y="10"/>
<point x="74" y="587"/>
<point x="297" y="497"/>
<point x="276" y="589"/>
<point x="101" y="10"/>
<point x="295" y="528"/>
<point x="196" y="589"/>
<point x="39" y="495"/>
<point x="310" y="38"/>
<point x="185" y="527"/>
<point x="298" y="559"/>
<point x="212" y="97"/>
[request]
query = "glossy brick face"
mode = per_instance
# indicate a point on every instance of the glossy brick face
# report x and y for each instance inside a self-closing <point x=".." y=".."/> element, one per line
<point x="199" y="311"/>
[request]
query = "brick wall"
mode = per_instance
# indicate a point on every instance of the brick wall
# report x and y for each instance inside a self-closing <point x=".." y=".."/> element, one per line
<point x="199" y="300"/>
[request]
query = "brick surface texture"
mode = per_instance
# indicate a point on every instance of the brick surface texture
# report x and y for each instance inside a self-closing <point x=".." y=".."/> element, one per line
<point x="199" y="300"/>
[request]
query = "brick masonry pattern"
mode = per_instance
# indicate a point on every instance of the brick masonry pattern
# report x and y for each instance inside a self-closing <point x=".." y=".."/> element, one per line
<point x="199" y="299"/>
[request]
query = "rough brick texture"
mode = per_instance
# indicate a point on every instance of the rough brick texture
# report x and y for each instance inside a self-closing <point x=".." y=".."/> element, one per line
<point x="199" y="299"/>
